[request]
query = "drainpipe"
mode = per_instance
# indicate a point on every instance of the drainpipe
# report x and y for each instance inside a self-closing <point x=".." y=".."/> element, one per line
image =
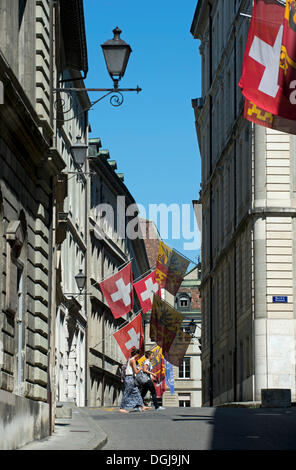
<point x="86" y="263"/>
<point x="50" y="323"/>
<point x="20" y="333"/>
<point x="103" y="333"/>
<point x="235" y="227"/>
<point x="51" y="62"/>
<point x="211" y="384"/>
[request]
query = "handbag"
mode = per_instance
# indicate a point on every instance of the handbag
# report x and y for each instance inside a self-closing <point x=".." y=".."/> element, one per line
<point x="141" y="378"/>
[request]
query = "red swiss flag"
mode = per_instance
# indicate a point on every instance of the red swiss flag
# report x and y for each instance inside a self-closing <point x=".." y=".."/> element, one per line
<point x="118" y="291"/>
<point x="261" y="65"/>
<point x="145" y="289"/>
<point x="130" y="336"/>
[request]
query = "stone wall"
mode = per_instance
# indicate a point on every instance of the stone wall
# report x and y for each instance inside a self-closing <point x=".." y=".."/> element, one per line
<point x="23" y="200"/>
<point x="21" y="421"/>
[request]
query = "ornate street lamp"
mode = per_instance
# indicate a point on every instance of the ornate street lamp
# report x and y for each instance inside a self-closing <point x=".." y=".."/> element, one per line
<point x="80" y="279"/>
<point x="116" y="53"/>
<point x="79" y="152"/>
<point x="191" y="328"/>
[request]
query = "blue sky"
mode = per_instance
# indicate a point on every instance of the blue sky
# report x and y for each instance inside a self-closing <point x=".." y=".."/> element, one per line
<point x="152" y="135"/>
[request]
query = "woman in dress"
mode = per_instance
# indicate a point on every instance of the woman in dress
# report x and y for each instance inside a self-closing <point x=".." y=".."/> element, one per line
<point x="147" y="369"/>
<point x="131" y="398"/>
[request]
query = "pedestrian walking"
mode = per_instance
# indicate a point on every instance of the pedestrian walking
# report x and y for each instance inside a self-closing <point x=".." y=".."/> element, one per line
<point x="131" y="398"/>
<point x="148" y="385"/>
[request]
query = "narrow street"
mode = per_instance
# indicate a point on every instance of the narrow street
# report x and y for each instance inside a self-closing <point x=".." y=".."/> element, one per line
<point x="148" y="228"/>
<point x="199" y="429"/>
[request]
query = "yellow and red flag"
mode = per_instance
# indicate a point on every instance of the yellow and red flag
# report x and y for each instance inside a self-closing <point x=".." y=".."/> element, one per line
<point x="165" y="322"/>
<point x="158" y="368"/>
<point x="170" y="268"/>
<point x="178" y="348"/>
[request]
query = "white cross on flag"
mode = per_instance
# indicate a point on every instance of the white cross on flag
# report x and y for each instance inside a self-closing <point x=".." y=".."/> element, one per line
<point x="145" y="289"/>
<point x="118" y="291"/>
<point x="130" y="336"/>
<point x="261" y="65"/>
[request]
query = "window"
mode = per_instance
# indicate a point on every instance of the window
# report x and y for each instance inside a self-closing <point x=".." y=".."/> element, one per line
<point x="184" y="369"/>
<point x="184" y="302"/>
<point x="184" y="400"/>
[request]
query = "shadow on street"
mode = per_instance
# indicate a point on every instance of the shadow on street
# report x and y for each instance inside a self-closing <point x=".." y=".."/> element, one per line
<point x="254" y="429"/>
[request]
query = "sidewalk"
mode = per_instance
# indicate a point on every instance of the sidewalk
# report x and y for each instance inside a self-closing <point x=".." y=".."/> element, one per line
<point x="78" y="433"/>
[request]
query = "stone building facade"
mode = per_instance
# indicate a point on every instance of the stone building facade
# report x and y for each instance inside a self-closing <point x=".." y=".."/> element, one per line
<point x="72" y="223"/>
<point x="28" y="167"/>
<point x="248" y="217"/>
<point x="55" y="343"/>
<point x="36" y="50"/>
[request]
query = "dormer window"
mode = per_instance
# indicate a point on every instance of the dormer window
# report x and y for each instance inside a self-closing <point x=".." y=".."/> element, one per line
<point x="183" y="301"/>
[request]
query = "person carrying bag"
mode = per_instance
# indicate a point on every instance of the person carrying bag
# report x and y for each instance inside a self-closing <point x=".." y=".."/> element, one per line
<point x="147" y="381"/>
<point x="131" y="398"/>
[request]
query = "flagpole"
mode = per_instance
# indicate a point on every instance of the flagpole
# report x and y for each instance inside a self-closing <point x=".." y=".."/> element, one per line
<point x="142" y="275"/>
<point x="186" y="257"/>
<point x="181" y="254"/>
<point x="122" y="326"/>
<point x="114" y="272"/>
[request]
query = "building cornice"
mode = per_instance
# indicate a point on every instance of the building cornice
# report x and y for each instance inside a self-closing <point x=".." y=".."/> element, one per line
<point x="109" y="243"/>
<point x="73" y="30"/>
<point x="199" y="14"/>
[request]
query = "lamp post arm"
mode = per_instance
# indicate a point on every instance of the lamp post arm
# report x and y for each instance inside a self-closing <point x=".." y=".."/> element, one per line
<point x="115" y="100"/>
<point x="87" y="90"/>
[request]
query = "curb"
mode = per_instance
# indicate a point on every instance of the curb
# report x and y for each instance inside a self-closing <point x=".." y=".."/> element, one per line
<point x="103" y="438"/>
<point x="80" y="432"/>
<point x="254" y="404"/>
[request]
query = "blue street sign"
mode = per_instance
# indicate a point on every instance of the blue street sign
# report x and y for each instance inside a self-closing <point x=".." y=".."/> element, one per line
<point x="281" y="299"/>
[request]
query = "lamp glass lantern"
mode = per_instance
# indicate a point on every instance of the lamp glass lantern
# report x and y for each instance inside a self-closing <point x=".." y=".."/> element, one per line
<point x="80" y="279"/>
<point x="79" y="152"/>
<point x="116" y="53"/>
<point x="192" y="327"/>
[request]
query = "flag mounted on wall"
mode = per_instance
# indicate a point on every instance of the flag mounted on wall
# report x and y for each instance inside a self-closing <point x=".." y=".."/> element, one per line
<point x="178" y="348"/>
<point x="169" y="376"/>
<point x="287" y="74"/>
<point x="259" y="116"/>
<point x="170" y="268"/>
<point x="260" y="81"/>
<point x="165" y="322"/>
<point x="145" y="289"/>
<point x="118" y="291"/>
<point x="130" y="336"/>
<point x="158" y="368"/>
